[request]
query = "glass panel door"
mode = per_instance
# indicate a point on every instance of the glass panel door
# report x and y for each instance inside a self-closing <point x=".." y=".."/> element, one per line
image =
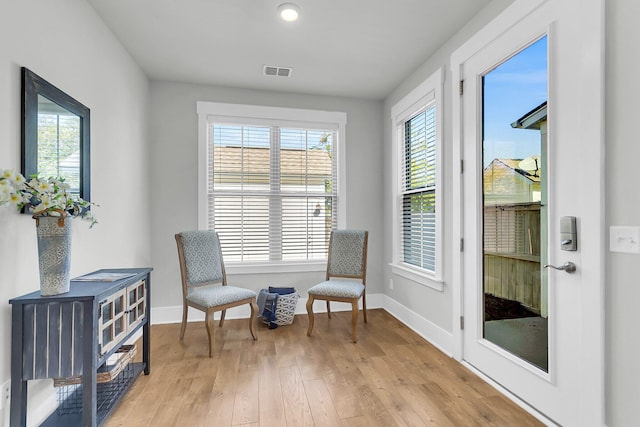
<point x="136" y="304"/>
<point x="514" y="182"/>
<point x="111" y="321"/>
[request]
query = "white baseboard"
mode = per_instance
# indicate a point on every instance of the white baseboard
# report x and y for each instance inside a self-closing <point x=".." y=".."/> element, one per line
<point x="47" y="398"/>
<point x="440" y="338"/>
<point x="437" y="336"/>
<point x="162" y="315"/>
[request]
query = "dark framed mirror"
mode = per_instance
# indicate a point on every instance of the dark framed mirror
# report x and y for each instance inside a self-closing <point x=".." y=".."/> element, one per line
<point x="55" y="134"/>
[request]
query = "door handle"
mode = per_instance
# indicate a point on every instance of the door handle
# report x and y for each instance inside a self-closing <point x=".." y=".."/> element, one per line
<point x="568" y="266"/>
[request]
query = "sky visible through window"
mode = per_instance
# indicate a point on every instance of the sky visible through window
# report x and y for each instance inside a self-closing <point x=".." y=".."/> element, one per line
<point x="510" y="91"/>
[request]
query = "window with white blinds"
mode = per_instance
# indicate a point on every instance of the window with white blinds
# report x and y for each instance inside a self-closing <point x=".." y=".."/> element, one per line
<point x="419" y="190"/>
<point x="272" y="188"/>
<point x="417" y="214"/>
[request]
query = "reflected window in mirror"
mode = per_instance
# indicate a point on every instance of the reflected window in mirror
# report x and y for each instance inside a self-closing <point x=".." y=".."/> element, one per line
<point x="58" y="143"/>
<point x="55" y="134"/>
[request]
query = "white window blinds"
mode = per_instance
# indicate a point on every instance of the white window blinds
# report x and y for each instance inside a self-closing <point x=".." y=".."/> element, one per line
<point x="272" y="191"/>
<point x="418" y="182"/>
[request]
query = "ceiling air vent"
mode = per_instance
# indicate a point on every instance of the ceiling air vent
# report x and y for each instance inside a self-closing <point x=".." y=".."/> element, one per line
<point x="270" y="70"/>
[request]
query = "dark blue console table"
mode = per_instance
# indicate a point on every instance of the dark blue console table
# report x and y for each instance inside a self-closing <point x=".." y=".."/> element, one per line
<point x="73" y="334"/>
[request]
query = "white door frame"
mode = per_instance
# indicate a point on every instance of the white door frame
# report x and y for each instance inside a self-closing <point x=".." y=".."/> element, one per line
<point x="591" y="128"/>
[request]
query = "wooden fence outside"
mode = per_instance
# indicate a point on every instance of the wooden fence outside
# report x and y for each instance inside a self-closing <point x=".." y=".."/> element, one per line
<point x="512" y="253"/>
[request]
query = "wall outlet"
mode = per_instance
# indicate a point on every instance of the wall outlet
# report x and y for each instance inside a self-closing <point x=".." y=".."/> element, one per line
<point x="391" y="284"/>
<point x="6" y="395"/>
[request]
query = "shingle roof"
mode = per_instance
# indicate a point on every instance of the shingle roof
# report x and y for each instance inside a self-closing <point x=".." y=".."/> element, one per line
<point x="514" y="164"/>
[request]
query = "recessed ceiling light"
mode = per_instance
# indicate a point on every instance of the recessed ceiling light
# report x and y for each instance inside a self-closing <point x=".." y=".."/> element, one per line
<point x="289" y="12"/>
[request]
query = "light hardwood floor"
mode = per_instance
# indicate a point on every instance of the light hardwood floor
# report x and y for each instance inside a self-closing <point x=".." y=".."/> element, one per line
<point x="391" y="377"/>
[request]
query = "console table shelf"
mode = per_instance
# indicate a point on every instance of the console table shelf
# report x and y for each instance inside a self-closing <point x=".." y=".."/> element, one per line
<point x="108" y="395"/>
<point x="73" y="335"/>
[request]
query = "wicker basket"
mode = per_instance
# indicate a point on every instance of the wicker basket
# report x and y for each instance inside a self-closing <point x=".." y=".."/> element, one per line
<point x="112" y="368"/>
<point x="286" y="308"/>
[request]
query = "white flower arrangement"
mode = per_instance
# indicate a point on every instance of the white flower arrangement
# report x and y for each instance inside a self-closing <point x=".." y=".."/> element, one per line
<point x="42" y="197"/>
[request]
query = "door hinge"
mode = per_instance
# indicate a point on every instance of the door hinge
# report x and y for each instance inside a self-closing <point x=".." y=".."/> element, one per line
<point x="461" y="166"/>
<point x="461" y="87"/>
<point x="461" y="245"/>
<point x="462" y="322"/>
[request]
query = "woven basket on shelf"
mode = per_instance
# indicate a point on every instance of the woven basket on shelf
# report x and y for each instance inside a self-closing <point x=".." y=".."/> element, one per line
<point x="123" y="356"/>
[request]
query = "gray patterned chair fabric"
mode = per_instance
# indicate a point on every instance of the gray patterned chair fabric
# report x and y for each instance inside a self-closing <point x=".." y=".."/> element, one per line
<point x="212" y="296"/>
<point x="202" y="256"/>
<point x="339" y="288"/>
<point x="346" y="276"/>
<point x="204" y="282"/>
<point x="346" y="253"/>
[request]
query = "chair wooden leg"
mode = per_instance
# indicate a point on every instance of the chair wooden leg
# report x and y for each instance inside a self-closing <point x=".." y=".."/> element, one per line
<point x="354" y="319"/>
<point x="210" y="331"/>
<point x="328" y="309"/>
<point x="252" y="318"/>
<point x="364" y="306"/>
<point x="310" y="314"/>
<point x="224" y="312"/>
<point x="185" y="308"/>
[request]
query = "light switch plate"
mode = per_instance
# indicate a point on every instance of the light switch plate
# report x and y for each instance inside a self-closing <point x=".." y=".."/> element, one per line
<point x="624" y="239"/>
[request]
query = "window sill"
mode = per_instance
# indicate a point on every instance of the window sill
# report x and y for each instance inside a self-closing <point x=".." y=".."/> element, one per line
<point x="275" y="267"/>
<point x="417" y="276"/>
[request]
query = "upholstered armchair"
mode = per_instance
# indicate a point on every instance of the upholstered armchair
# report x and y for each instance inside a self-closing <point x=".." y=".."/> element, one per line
<point x="204" y="282"/>
<point x="345" y="277"/>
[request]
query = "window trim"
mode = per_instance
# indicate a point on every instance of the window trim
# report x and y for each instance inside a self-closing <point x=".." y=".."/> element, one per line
<point x="427" y="92"/>
<point x="280" y="116"/>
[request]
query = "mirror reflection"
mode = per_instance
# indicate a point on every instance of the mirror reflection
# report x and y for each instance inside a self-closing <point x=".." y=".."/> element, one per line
<point x="58" y="143"/>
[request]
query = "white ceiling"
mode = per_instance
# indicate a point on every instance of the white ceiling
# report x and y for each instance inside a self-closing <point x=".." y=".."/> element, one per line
<point x="354" y="48"/>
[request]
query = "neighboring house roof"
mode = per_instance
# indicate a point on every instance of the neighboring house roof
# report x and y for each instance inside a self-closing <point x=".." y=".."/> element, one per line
<point x="533" y="118"/>
<point x="230" y="163"/>
<point x="514" y="164"/>
<point x="506" y="183"/>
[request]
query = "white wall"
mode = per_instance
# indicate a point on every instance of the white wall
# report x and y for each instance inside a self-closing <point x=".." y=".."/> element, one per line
<point x="622" y="293"/>
<point x="434" y="306"/>
<point x="174" y="140"/>
<point x="67" y="44"/>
